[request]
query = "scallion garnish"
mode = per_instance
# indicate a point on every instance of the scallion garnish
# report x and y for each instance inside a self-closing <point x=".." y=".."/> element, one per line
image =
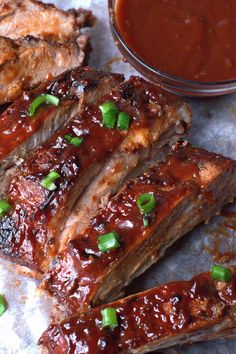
<point x="123" y="121"/>
<point x="48" y="181"/>
<point x="3" y="304"/>
<point x="44" y="98"/>
<point x="77" y="141"/>
<point x="109" y="318"/>
<point x="221" y="273"/>
<point x="109" y="112"/>
<point x="4" y="207"/>
<point x="109" y="241"/>
<point x="145" y="221"/>
<point x="146" y="203"/>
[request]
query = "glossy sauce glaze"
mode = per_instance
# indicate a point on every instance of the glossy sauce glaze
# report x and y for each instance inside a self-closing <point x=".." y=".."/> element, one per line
<point x="193" y="40"/>
<point x="144" y="319"/>
<point x="79" y="271"/>
<point x="16" y="126"/>
<point x="30" y="233"/>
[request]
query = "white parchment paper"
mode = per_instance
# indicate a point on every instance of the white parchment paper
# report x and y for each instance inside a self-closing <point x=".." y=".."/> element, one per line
<point x="214" y="128"/>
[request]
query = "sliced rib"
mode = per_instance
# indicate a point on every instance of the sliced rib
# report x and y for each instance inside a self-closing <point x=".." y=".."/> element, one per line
<point x="31" y="233"/>
<point x="173" y="314"/>
<point x="25" y="63"/>
<point x="20" y="18"/>
<point x="19" y="132"/>
<point x="189" y="187"/>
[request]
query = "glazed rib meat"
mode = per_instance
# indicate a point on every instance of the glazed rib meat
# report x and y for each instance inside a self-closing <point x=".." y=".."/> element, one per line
<point x="27" y="62"/>
<point x="19" y="132"/>
<point x="173" y="314"/>
<point x="20" y="18"/>
<point x="31" y="232"/>
<point x="189" y="187"/>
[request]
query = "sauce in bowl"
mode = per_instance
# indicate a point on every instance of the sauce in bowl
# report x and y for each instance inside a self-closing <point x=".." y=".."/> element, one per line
<point x="190" y="39"/>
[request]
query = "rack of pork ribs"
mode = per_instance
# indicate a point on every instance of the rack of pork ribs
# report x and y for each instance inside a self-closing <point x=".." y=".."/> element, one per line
<point x="55" y="233"/>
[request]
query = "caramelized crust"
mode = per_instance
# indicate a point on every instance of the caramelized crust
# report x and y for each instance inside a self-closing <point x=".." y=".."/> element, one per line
<point x="20" y="18"/>
<point x="19" y="132"/>
<point x="189" y="187"/>
<point x="174" y="313"/>
<point x="30" y="234"/>
<point x="25" y="63"/>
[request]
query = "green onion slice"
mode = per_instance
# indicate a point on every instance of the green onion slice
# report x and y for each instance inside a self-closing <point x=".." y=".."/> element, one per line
<point x="3" y="305"/>
<point x="44" y="98"/>
<point x="146" y="221"/>
<point x="109" y="318"/>
<point x="48" y="181"/>
<point x="123" y="121"/>
<point x="109" y="242"/>
<point x="77" y="141"/>
<point x="221" y="273"/>
<point x="146" y="203"/>
<point x="4" y="207"/>
<point x="109" y="112"/>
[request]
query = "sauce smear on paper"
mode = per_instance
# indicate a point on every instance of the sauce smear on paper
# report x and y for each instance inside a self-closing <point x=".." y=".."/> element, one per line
<point x="190" y="39"/>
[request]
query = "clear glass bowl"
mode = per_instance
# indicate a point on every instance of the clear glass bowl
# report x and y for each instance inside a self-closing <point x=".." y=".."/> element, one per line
<point x="168" y="82"/>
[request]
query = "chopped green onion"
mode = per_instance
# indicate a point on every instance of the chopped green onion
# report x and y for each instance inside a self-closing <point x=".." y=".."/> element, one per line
<point x="123" y="121"/>
<point x="145" y="221"/>
<point x="44" y="98"/>
<point x="109" y="120"/>
<point x="48" y="181"/>
<point x="68" y="137"/>
<point x="108" y="107"/>
<point x="77" y="141"/>
<point x="4" y="207"/>
<point x="109" y="318"/>
<point x="109" y="241"/>
<point x="3" y="304"/>
<point x="109" y="112"/>
<point x="146" y="203"/>
<point x="221" y="273"/>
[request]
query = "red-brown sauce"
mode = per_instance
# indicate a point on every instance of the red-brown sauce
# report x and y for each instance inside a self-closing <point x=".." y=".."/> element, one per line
<point x="146" y="318"/>
<point x="29" y="233"/>
<point x="16" y="126"/>
<point x="189" y="39"/>
<point x="81" y="268"/>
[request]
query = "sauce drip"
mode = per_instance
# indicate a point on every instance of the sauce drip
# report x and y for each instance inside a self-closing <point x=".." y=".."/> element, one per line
<point x="147" y="318"/>
<point x="189" y="39"/>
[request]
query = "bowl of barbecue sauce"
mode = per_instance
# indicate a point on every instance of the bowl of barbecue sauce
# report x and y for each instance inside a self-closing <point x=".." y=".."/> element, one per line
<point x="186" y="46"/>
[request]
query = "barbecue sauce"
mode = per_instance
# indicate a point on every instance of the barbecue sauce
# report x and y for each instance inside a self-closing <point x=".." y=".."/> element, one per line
<point x="16" y="126"/>
<point x="79" y="270"/>
<point x="181" y="307"/>
<point x="189" y="39"/>
<point x="33" y="219"/>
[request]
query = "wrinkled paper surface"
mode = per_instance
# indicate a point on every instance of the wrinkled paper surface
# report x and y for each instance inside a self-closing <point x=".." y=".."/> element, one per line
<point x="214" y="128"/>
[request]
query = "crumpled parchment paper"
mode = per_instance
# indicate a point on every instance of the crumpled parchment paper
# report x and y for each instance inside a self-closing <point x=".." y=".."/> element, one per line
<point x="214" y="128"/>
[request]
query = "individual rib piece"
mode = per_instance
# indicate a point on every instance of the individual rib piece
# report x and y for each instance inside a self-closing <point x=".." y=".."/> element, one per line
<point x="173" y="314"/>
<point x="19" y="132"/>
<point x="20" y="18"/>
<point x="30" y="233"/>
<point x="27" y="62"/>
<point x="189" y="187"/>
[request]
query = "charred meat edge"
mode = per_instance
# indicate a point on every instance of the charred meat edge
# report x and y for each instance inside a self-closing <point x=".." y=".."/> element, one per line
<point x="173" y="314"/>
<point x="190" y="186"/>
<point x="20" y="18"/>
<point x="19" y="132"/>
<point x="25" y="63"/>
<point x="129" y="161"/>
<point x="38" y="216"/>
